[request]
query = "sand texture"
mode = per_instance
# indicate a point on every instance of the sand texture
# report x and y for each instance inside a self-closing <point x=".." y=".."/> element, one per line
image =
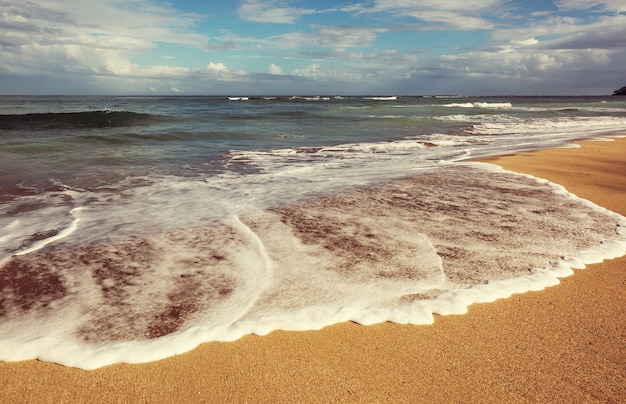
<point x="563" y="344"/>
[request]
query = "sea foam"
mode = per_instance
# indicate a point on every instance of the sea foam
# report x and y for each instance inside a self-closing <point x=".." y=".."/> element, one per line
<point x="401" y="251"/>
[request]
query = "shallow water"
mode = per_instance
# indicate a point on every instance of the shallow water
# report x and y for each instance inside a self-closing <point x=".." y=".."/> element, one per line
<point x="138" y="230"/>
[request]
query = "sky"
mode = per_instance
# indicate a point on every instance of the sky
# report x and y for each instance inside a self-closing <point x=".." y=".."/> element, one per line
<point x="306" y="47"/>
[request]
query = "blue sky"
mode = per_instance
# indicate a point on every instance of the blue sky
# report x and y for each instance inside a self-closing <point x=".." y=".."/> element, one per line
<point x="254" y="47"/>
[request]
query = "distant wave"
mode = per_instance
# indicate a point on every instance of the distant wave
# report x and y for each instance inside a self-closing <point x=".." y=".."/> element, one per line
<point x="502" y="118"/>
<point x="392" y="98"/>
<point x="315" y="98"/>
<point x="86" y="119"/>
<point x="479" y="105"/>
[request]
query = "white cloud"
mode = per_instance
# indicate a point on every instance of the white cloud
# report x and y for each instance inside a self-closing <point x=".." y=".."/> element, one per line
<point x="103" y="44"/>
<point x="450" y="19"/>
<point x="608" y="32"/>
<point x="606" y="5"/>
<point x="321" y="38"/>
<point x="271" y="11"/>
<point x="217" y="67"/>
<point x="451" y="14"/>
<point x="345" y="37"/>
<point x="530" y="41"/>
<point x="275" y="69"/>
<point x="311" y="71"/>
<point x="53" y="38"/>
<point x="128" y="25"/>
<point x="524" y="66"/>
<point x="289" y="40"/>
<point x="542" y="13"/>
<point x="458" y="5"/>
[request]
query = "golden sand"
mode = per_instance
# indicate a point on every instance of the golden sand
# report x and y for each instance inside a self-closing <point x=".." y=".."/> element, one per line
<point x="563" y="344"/>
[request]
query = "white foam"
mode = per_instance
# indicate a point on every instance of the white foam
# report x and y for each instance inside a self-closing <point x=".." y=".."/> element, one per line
<point x="289" y="283"/>
<point x="73" y="353"/>
<point x="501" y="118"/>
<point x="491" y="105"/>
<point x="460" y="105"/>
<point x="43" y="219"/>
<point x="554" y="126"/>
<point x="60" y="235"/>
<point x="495" y="105"/>
<point x="390" y="98"/>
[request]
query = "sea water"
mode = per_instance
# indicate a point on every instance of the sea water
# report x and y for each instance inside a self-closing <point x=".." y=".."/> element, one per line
<point x="136" y="228"/>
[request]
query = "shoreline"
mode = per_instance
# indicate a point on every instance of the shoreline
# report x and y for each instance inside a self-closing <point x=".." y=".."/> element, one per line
<point x="562" y="343"/>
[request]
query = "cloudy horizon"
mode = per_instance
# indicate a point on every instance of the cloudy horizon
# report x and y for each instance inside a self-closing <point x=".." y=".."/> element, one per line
<point x="271" y="47"/>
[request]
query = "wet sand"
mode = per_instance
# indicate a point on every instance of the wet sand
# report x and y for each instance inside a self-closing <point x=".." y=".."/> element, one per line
<point x="563" y="344"/>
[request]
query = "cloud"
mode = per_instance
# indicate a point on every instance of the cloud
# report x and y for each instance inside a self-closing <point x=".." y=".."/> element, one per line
<point x="80" y="37"/>
<point x="607" y="5"/>
<point x="345" y="37"/>
<point x="450" y="19"/>
<point x="271" y="11"/>
<point x="606" y="32"/>
<point x="217" y="67"/>
<point x="131" y="25"/>
<point x="530" y="41"/>
<point x="459" y="5"/>
<point x="275" y="69"/>
<point x="322" y="38"/>
<point x="311" y="71"/>
<point x="452" y="14"/>
<point x="519" y="69"/>
<point x="367" y="46"/>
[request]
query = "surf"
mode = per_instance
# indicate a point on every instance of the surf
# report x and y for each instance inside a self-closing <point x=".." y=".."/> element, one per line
<point x="73" y="120"/>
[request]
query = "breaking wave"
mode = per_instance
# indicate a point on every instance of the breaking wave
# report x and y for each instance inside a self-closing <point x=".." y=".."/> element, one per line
<point x="73" y="120"/>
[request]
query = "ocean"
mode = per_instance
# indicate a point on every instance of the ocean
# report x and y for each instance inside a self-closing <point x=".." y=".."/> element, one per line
<point x="136" y="228"/>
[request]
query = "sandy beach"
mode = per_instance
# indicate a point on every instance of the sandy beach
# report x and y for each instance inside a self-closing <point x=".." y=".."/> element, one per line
<point x="563" y="344"/>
